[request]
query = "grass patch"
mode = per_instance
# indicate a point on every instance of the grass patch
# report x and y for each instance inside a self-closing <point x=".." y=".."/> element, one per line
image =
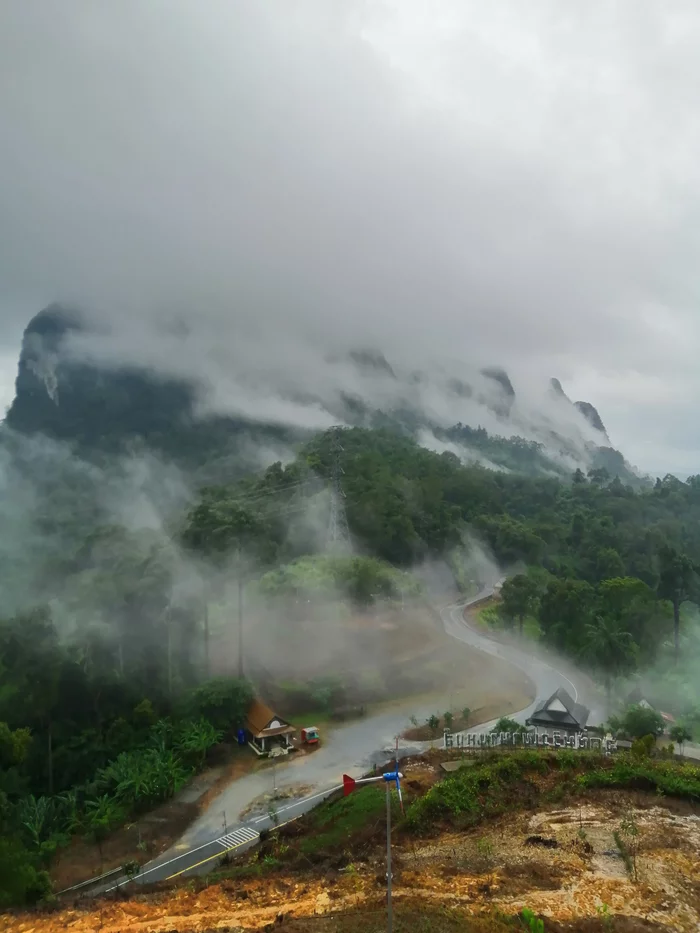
<point x="624" y="852"/>
<point x="663" y="777"/>
<point x="490" y="617"/>
<point x="528" y="778"/>
<point x="336" y="822"/>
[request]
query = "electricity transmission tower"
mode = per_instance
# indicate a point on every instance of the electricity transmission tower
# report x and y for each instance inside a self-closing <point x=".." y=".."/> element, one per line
<point x="338" y="533"/>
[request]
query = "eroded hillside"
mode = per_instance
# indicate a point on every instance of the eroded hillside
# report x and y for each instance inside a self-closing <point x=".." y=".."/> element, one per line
<point x="584" y="842"/>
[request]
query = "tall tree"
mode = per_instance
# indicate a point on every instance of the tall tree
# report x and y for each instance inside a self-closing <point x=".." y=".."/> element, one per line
<point x="633" y="606"/>
<point x="676" y="582"/>
<point x="565" y="608"/>
<point x="609" y="649"/>
<point x="518" y="594"/>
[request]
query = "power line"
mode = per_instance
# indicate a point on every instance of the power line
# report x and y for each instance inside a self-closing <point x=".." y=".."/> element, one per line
<point x="258" y="496"/>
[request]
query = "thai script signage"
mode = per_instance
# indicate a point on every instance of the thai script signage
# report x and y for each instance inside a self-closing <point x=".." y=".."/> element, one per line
<point x="578" y="741"/>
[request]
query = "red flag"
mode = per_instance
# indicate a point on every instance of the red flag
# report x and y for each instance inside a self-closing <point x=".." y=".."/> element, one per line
<point x="348" y="785"/>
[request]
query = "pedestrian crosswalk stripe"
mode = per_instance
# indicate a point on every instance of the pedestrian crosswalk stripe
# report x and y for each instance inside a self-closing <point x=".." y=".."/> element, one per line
<point x="238" y="837"/>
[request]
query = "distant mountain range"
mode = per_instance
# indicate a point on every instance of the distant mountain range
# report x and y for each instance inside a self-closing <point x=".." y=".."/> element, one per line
<point x="104" y="410"/>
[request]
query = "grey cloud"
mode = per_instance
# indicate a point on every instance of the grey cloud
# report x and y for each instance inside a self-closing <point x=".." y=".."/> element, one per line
<point x="489" y="183"/>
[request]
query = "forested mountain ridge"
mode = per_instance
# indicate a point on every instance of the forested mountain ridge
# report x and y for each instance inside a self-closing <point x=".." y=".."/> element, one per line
<point x="110" y="408"/>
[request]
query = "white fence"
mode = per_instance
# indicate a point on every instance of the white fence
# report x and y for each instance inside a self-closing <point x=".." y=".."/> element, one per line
<point x="578" y="741"/>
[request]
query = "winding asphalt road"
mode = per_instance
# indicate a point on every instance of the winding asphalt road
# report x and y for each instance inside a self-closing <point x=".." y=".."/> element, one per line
<point x="545" y="671"/>
<point x="351" y="749"/>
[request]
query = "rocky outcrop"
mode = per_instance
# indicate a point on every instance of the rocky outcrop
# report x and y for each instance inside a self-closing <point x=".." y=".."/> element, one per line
<point x="116" y="407"/>
<point x="590" y="413"/>
<point x="112" y="409"/>
<point x="501" y="394"/>
<point x="372" y="362"/>
<point x="556" y="390"/>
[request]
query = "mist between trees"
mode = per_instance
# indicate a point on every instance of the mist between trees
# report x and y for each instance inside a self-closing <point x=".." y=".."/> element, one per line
<point x="123" y="585"/>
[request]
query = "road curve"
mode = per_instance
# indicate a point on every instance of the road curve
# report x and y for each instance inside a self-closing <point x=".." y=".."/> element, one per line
<point x="547" y="673"/>
<point x="351" y="749"/>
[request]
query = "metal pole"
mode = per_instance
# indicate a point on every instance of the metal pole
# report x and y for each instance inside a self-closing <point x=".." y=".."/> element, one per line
<point x="240" y="617"/>
<point x="389" y="917"/>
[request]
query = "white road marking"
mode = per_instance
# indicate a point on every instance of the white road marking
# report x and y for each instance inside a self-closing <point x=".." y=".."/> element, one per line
<point x="238" y="837"/>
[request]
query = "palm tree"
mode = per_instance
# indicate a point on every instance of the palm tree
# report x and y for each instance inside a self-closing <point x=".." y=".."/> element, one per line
<point x="610" y="649"/>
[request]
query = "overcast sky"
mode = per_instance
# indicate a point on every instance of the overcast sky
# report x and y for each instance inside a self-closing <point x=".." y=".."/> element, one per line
<point x="502" y="182"/>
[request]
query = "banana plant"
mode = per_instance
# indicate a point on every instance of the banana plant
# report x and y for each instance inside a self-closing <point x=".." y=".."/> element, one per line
<point x="194" y="739"/>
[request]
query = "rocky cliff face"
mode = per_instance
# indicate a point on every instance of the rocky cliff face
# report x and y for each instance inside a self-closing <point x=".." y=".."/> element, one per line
<point x="109" y="410"/>
<point x="591" y="415"/>
<point x="72" y="400"/>
<point x="114" y="408"/>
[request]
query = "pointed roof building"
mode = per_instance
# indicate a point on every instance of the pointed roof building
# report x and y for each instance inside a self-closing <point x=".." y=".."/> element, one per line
<point x="560" y="711"/>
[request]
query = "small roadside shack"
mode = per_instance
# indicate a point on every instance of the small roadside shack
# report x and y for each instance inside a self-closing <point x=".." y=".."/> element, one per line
<point x="267" y="731"/>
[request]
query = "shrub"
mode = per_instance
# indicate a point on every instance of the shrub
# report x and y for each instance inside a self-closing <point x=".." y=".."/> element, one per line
<point x="21" y="882"/>
<point x="505" y="724"/>
<point x="642" y="748"/>
<point x="433" y="723"/>
<point x="639" y="721"/>
<point x="531" y="923"/>
<point x="223" y="701"/>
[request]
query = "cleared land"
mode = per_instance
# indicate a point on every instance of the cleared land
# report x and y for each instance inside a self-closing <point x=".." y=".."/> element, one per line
<point x="587" y="843"/>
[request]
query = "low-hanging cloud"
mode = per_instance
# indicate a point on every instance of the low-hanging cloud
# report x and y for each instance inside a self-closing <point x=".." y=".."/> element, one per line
<point x="274" y="183"/>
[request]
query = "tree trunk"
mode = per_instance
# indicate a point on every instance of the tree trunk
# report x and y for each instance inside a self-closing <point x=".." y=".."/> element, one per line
<point x="240" y="628"/>
<point x="50" y="751"/>
<point x="676" y="626"/>
<point x="207" y="662"/>
<point x="521" y="620"/>
<point x="240" y="612"/>
<point x="168" y="622"/>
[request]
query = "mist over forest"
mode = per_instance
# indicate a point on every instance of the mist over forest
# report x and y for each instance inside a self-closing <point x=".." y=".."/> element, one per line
<point x="138" y="533"/>
<point x="317" y="318"/>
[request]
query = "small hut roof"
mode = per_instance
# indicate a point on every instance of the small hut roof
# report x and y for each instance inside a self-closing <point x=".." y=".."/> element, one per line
<point x="262" y="721"/>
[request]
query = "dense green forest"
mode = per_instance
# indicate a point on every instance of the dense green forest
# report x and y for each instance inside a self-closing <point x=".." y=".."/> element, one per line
<point x="106" y="704"/>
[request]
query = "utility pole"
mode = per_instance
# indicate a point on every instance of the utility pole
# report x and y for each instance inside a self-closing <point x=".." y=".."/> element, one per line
<point x="389" y="778"/>
<point x="240" y="615"/>
<point x="389" y="912"/>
